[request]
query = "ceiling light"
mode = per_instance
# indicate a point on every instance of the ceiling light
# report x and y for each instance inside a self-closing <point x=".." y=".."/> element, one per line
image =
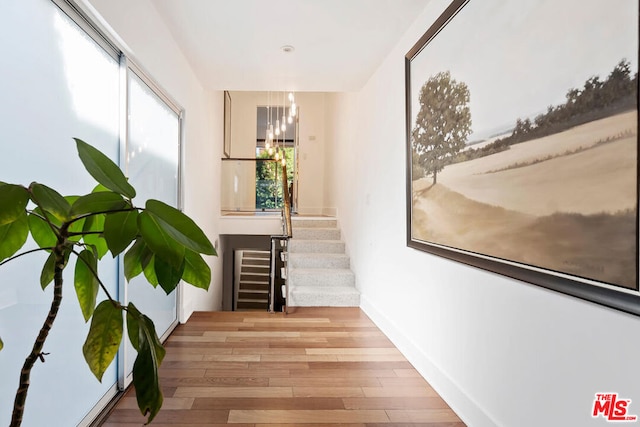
<point x="287" y="48"/>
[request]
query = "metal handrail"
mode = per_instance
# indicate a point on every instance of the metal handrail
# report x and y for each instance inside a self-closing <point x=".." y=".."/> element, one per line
<point x="287" y="233"/>
<point x="286" y="209"/>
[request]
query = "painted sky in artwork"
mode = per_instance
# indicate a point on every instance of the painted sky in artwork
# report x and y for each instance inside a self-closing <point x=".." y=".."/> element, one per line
<point x="519" y="57"/>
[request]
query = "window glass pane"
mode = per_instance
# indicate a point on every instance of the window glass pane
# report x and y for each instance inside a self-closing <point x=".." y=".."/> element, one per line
<point x="152" y="166"/>
<point x="56" y="84"/>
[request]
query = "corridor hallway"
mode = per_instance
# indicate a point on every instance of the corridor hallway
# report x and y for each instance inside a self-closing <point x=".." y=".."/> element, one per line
<point x="313" y="367"/>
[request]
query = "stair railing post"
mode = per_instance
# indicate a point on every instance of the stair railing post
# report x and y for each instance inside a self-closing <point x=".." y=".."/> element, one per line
<point x="272" y="275"/>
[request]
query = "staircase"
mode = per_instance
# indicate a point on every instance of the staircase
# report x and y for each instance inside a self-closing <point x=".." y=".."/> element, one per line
<point x="319" y="273"/>
<point x="253" y="283"/>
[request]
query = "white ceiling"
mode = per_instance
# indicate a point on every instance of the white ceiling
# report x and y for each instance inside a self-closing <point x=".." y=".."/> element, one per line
<point x="236" y="44"/>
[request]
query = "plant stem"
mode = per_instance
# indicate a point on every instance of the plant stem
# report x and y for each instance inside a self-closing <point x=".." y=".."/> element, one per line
<point x="24" y="253"/>
<point x="95" y="274"/>
<point x="36" y="352"/>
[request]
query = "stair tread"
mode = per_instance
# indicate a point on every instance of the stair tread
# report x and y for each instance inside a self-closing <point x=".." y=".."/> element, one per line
<point x="320" y="223"/>
<point x="317" y="254"/>
<point x="317" y="246"/>
<point x="317" y="228"/>
<point x="316" y="240"/>
<point x="350" y="290"/>
<point x="321" y="278"/>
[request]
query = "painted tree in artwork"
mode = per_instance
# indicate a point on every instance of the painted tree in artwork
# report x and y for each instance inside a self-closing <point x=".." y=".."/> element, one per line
<point x="442" y="124"/>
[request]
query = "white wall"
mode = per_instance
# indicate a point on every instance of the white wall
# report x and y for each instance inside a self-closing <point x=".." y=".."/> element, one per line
<point x="501" y="352"/>
<point x="311" y="157"/>
<point x="141" y="28"/>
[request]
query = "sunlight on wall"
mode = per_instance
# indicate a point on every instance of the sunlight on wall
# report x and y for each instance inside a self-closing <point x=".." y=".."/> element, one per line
<point x="85" y="64"/>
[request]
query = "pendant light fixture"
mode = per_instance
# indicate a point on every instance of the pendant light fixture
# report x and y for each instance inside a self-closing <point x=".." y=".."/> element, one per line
<point x="274" y="130"/>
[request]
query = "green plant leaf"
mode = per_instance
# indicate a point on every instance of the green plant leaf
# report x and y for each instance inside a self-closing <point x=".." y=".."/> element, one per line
<point x="137" y="258"/>
<point x="93" y="224"/>
<point x="132" y="260"/>
<point x="145" y="369"/>
<point x="13" y="201"/>
<point x="196" y="270"/>
<point x="133" y="325"/>
<point x="159" y="241"/>
<point x="76" y="226"/>
<point x="103" y="170"/>
<point x="103" y="340"/>
<point x="98" y="188"/>
<point x="168" y="276"/>
<point x="120" y="229"/>
<point x="50" y="201"/>
<point x="97" y="202"/>
<point x="13" y="235"/>
<point x="86" y="282"/>
<point x="152" y="335"/>
<point x="180" y="227"/>
<point x="48" y="271"/>
<point x="134" y="317"/>
<point x="41" y="231"/>
<point x="1" y="344"/>
<point x="149" y="271"/>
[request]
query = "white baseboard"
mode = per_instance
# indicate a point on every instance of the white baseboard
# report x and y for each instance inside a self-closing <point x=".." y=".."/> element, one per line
<point x="333" y="212"/>
<point x="465" y="407"/>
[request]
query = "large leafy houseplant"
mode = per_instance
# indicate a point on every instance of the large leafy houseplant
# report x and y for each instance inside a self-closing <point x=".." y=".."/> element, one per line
<point x="160" y="242"/>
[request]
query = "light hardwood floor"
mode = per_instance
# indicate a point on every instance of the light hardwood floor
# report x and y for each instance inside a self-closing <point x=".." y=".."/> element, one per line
<point x="313" y="367"/>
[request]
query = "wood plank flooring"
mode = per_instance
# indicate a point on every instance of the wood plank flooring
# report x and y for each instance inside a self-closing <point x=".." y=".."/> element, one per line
<point x="314" y="367"/>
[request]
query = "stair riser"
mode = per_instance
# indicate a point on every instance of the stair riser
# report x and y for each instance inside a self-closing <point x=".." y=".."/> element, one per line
<point x="309" y="223"/>
<point x="254" y="286"/>
<point x="256" y="254"/>
<point x="247" y="305"/>
<point x="322" y="280"/>
<point x="254" y="269"/>
<point x="247" y="294"/>
<point x="323" y="300"/>
<point x="255" y="262"/>
<point x="310" y="246"/>
<point x="318" y="262"/>
<point x="316" y="234"/>
<point x="254" y="278"/>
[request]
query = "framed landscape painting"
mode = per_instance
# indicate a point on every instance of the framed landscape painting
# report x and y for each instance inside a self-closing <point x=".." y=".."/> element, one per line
<point x="522" y="143"/>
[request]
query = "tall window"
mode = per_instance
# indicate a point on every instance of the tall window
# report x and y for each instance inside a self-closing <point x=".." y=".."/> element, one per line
<point x="59" y="81"/>
<point x="56" y="84"/>
<point x="152" y="166"/>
